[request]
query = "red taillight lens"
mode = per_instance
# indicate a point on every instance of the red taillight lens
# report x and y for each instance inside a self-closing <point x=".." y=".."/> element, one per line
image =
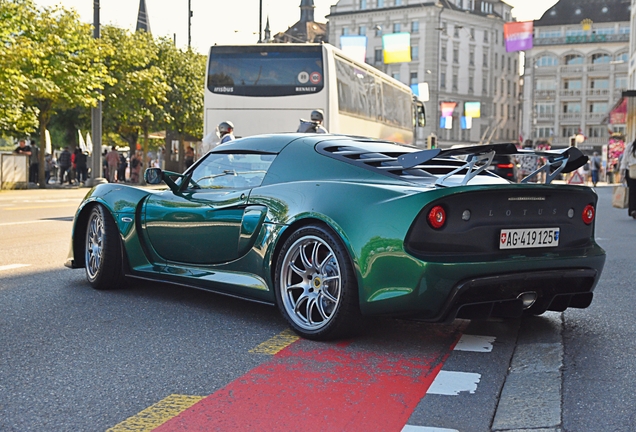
<point x="505" y="165"/>
<point x="437" y="217"/>
<point x="588" y="214"/>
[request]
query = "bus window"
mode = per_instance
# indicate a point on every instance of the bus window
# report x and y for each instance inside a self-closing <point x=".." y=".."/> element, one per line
<point x="263" y="71"/>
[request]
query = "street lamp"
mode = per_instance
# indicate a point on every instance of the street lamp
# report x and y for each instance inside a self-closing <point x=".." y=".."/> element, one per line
<point x="96" y="119"/>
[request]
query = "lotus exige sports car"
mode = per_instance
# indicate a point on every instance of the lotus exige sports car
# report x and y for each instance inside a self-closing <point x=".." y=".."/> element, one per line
<point x="330" y="228"/>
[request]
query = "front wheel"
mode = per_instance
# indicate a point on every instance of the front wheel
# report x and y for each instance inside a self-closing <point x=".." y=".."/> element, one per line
<point x="316" y="289"/>
<point x="102" y="251"/>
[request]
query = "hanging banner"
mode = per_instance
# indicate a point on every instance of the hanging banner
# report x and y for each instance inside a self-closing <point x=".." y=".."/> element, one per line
<point x="448" y="108"/>
<point x="421" y="91"/>
<point x="619" y="114"/>
<point x="396" y="47"/>
<point x="472" y="109"/>
<point x="466" y="122"/>
<point x="446" y="122"/>
<point x="518" y="35"/>
<point x="355" y="47"/>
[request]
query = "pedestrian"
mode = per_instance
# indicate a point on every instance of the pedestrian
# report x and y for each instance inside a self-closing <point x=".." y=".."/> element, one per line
<point x="595" y="167"/>
<point x="628" y="173"/>
<point x="226" y="132"/>
<point x="34" y="164"/>
<point x="135" y="168"/>
<point x="48" y="167"/>
<point x="64" y="164"/>
<point x="121" y="169"/>
<point x="113" y="163"/>
<point x="189" y="157"/>
<point x="23" y="148"/>
<point x="81" y="166"/>
<point x="529" y="163"/>
<point x="315" y="125"/>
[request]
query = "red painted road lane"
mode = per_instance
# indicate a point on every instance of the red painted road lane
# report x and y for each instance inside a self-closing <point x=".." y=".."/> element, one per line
<point x="311" y="388"/>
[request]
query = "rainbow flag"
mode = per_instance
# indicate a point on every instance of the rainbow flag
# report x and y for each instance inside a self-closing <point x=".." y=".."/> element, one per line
<point x="518" y="35"/>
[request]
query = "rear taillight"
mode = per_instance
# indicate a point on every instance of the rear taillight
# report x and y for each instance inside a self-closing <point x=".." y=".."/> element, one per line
<point x="505" y="165"/>
<point x="437" y="217"/>
<point x="588" y="214"/>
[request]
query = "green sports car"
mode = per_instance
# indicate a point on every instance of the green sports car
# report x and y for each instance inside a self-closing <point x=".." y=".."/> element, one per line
<point x="331" y="228"/>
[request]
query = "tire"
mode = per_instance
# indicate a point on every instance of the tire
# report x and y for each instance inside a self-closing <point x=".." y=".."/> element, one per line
<point x="316" y="288"/>
<point x="103" y="251"/>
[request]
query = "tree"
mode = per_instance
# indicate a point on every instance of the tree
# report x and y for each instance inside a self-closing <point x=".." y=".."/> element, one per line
<point x="63" y="68"/>
<point x="134" y="101"/>
<point x="17" y="18"/>
<point x="185" y="74"/>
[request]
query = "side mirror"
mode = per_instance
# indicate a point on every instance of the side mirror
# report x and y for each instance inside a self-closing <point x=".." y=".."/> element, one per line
<point x="153" y="176"/>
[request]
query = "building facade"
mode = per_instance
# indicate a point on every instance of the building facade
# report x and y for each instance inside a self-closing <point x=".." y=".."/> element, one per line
<point x="457" y="48"/>
<point x="576" y="72"/>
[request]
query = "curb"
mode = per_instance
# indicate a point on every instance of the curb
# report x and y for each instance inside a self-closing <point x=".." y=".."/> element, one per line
<point x="531" y="395"/>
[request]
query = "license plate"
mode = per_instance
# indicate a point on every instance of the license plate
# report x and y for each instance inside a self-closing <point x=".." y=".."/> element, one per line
<point x="528" y="238"/>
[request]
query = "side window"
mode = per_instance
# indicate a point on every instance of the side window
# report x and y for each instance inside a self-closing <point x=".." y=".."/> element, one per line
<point x="229" y="171"/>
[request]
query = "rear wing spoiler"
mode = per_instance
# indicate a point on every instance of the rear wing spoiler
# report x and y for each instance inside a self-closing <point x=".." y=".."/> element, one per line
<point x="479" y="157"/>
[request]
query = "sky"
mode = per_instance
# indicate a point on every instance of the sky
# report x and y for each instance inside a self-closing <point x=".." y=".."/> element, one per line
<point x="231" y="22"/>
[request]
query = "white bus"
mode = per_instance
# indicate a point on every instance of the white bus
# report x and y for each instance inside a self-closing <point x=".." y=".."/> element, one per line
<point x="268" y="88"/>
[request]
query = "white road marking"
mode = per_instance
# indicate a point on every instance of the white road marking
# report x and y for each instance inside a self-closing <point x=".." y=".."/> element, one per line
<point x="475" y="343"/>
<point x="13" y="266"/>
<point x="453" y="383"/>
<point x="31" y="222"/>
<point x="409" y="428"/>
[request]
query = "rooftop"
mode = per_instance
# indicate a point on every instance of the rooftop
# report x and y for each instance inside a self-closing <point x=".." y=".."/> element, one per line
<point x="568" y="12"/>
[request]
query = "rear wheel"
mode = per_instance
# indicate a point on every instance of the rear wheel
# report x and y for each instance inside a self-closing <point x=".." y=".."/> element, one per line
<point x="102" y="251"/>
<point x="316" y="288"/>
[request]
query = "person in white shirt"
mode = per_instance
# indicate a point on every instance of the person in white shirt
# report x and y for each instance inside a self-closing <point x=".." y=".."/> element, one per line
<point x="226" y="131"/>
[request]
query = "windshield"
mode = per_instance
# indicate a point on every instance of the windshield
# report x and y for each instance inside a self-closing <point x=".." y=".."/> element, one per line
<point x="232" y="171"/>
<point x="265" y="71"/>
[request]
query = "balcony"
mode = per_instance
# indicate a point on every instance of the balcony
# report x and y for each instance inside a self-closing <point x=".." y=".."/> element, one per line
<point x="573" y="40"/>
<point x="570" y="117"/>
<point x="598" y="92"/>
<point x="570" y="93"/>
<point x="545" y="94"/>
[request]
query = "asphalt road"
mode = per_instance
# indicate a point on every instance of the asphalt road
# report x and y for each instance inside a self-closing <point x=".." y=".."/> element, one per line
<point x="72" y="358"/>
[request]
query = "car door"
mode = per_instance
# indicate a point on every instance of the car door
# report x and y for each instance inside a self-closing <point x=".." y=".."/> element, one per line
<point x="199" y="227"/>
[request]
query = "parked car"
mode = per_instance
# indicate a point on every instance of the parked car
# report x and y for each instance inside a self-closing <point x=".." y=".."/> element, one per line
<point x="504" y="166"/>
<point x="330" y="228"/>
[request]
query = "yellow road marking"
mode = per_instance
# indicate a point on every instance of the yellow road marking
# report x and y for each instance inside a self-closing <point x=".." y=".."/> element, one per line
<point x="157" y="414"/>
<point x="42" y="207"/>
<point x="277" y="343"/>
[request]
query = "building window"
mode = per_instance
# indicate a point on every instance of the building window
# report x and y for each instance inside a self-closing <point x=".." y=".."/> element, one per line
<point x="444" y="28"/>
<point x="362" y="30"/>
<point x="455" y="80"/>
<point x="415" y="26"/>
<point x="496" y="61"/>
<point x="398" y="2"/>
<point x="486" y="36"/>
<point x="508" y="88"/>
<point x="601" y="58"/>
<point x="624" y="30"/>
<point x="442" y="80"/>
<point x="572" y="84"/>
<point x="378" y="30"/>
<point x="413" y="78"/>
<point x="545" y="109"/>
<point x="543" y="132"/>
<point x="484" y="86"/>
<point x="569" y="131"/>
<point x="472" y="34"/>
<point x="597" y="132"/>
<point x="345" y="31"/>
<point x="509" y="65"/>
<point x="455" y="54"/>
<point x="599" y="83"/>
<point x="397" y="27"/>
<point x="485" y="59"/>
<point x="415" y="52"/>
<point x="598" y="107"/>
<point x="471" y="84"/>
<point x="546" y="84"/>
<point x="363" y="4"/>
<point x="471" y="56"/>
<point x="396" y="75"/>
<point x="443" y="53"/>
<point x="378" y="55"/>
<point x="456" y="30"/>
<point x="620" y="83"/>
<point x="622" y="57"/>
<point x="573" y="59"/>
<point x="380" y="3"/>
<point x="571" y="108"/>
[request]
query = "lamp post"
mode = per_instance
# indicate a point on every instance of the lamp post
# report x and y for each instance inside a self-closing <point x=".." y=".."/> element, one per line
<point x="96" y="119"/>
<point x="260" y="21"/>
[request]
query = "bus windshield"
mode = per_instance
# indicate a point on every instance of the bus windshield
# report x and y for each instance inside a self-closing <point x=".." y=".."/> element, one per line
<point x="265" y="71"/>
